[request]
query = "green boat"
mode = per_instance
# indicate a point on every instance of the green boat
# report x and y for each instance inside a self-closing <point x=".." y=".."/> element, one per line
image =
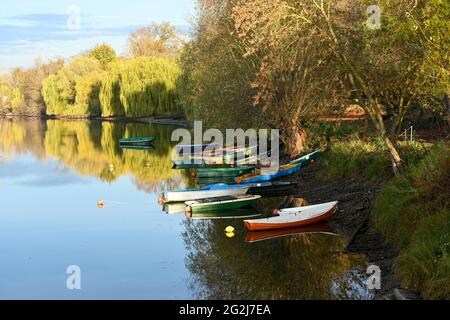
<point x="214" y="180"/>
<point x="308" y="158"/>
<point x="224" y="172"/>
<point x="223" y="214"/>
<point x="142" y="141"/>
<point x="222" y="203"/>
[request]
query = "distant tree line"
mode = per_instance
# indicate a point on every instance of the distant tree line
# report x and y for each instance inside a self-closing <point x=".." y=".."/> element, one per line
<point x="100" y="83"/>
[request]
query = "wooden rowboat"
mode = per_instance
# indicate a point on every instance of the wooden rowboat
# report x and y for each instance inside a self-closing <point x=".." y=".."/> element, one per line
<point x="272" y="189"/>
<point x="267" y="175"/>
<point x="215" y="180"/>
<point x="294" y="217"/>
<point x="223" y="172"/>
<point x="309" y="158"/>
<point x="210" y="191"/>
<point x="241" y="213"/>
<point x="222" y="203"/>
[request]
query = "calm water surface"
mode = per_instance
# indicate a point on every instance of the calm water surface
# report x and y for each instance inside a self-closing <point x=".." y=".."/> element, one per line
<point x="52" y="173"/>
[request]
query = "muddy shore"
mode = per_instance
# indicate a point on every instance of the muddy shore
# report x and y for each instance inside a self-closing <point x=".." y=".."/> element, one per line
<point x="352" y="218"/>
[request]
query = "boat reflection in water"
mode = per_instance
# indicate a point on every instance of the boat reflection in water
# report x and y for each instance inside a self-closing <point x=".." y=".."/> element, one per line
<point x="215" y="180"/>
<point x="140" y="148"/>
<point x="321" y="228"/>
<point x="223" y="214"/>
<point x="174" y="208"/>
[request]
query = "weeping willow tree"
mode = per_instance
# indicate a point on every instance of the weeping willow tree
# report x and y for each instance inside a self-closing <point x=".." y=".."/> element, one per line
<point x="110" y="91"/>
<point x="74" y="90"/>
<point x="143" y="86"/>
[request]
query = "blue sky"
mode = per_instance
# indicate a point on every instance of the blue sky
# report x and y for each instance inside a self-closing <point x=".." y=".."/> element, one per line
<point x="31" y="29"/>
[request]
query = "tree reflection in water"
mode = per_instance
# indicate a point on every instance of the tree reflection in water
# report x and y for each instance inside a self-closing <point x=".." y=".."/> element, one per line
<point x="91" y="148"/>
<point x="303" y="266"/>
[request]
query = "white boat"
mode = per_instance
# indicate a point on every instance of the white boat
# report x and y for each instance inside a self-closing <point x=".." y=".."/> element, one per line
<point x="294" y="217"/>
<point x="211" y="191"/>
<point x="222" y="203"/>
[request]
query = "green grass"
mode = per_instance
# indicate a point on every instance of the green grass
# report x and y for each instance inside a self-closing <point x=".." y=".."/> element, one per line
<point x="352" y="157"/>
<point x="413" y="212"/>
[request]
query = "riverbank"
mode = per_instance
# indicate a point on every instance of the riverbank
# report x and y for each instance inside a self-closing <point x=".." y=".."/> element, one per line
<point x="399" y="224"/>
<point x="353" y="217"/>
<point x="175" y="120"/>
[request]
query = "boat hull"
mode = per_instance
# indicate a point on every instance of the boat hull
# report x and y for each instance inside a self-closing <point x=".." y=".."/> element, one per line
<point x="147" y="141"/>
<point x="223" y="172"/>
<point x="259" y="226"/>
<point x="253" y="178"/>
<point x="274" y="189"/>
<point x="249" y="203"/>
<point x="202" y="194"/>
<point x="224" y="214"/>
<point x="308" y="158"/>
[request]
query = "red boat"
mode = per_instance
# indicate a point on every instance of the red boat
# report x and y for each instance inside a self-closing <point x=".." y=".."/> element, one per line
<point x="294" y="217"/>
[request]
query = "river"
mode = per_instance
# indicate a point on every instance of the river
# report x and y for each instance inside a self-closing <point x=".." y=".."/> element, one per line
<point x="54" y="172"/>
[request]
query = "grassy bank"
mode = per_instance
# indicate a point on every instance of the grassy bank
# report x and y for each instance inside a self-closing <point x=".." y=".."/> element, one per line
<point x="412" y="210"/>
<point x="359" y="158"/>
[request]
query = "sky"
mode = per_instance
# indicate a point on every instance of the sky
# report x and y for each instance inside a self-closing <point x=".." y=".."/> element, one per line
<point x="31" y="29"/>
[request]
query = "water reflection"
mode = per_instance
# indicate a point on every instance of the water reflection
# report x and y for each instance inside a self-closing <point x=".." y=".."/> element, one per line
<point x="302" y="266"/>
<point x="91" y="148"/>
<point x="298" y="263"/>
<point x="136" y="248"/>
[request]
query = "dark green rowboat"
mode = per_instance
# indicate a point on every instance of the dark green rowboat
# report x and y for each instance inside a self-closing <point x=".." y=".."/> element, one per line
<point x="222" y="203"/>
<point x="223" y="214"/>
<point x="224" y="172"/>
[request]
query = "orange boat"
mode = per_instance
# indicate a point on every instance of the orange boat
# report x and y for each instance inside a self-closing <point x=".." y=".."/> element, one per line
<point x="254" y="236"/>
<point x="294" y="217"/>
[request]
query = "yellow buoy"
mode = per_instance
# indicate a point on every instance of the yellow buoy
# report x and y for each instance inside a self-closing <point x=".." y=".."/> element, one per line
<point x="230" y="234"/>
<point x="229" y="229"/>
<point x="100" y="204"/>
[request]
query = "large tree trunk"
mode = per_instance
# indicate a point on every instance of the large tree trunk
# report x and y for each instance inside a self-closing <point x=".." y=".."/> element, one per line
<point x="396" y="160"/>
<point x="295" y="143"/>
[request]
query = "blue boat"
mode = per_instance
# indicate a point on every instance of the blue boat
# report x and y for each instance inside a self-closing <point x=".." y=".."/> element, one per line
<point x="260" y="176"/>
<point x="285" y="170"/>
